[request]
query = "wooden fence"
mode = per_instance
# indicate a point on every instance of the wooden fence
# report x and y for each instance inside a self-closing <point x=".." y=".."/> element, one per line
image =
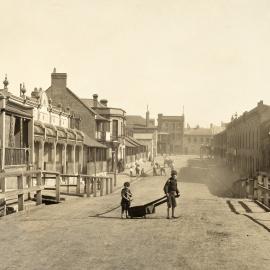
<point x="21" y="189"/>
<point x="256" y="188"/>
<point x="36" y="181"/>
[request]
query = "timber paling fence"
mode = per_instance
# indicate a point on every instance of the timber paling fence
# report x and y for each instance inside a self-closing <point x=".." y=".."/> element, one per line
<point x="257" y="188"/>
<point x="29" y="182"/>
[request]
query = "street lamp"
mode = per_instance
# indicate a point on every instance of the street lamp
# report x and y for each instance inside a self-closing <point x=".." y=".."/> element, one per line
<point x="114" y="151"/>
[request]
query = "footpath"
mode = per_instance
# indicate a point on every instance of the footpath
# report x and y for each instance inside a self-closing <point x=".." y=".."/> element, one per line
<point x="219" y="180"/>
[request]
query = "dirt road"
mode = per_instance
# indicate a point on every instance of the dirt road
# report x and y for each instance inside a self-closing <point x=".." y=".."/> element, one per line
<point x="88" y="234"/>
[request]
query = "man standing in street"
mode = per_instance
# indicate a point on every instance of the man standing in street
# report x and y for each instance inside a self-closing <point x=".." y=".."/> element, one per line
<point x="171" y="191"/>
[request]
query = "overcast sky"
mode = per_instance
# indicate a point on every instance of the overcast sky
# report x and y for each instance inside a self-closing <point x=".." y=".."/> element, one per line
<point x="211" y="56"/>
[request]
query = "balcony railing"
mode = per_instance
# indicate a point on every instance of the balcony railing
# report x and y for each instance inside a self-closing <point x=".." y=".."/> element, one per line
<point x="16" y="156"/>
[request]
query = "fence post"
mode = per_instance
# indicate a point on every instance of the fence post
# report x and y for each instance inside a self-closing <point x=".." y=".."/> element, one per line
<point x="20" y="196"/>
<point x="3" y="205"/>
<point x="57" y="187"/>
<point x="68" y="182"/>
<point x="107" y="186"/>
<point x="247" y="188"/>
<point x="111" y="185"/>
<point x="3" y="184"/>
<point x="101" y="181"/>
<point x="266" y="192"/>
<point x="78" y="187"/>
<point x="87" y="183"/>
<point x="29" y="184"/>
<point x="39" y="194"/>
<point x="95" y="186"/>
<point x="255" y="189"/>
<point x="259" y="191"/>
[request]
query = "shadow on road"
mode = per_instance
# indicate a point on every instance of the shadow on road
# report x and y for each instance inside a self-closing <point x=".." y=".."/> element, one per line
<point x="119" y="218"/>
<point x="216" y="177"/>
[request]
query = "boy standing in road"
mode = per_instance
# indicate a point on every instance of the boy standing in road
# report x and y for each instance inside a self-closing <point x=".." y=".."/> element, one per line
<point x="126" y="198"/>
<point x="171" y="191"/>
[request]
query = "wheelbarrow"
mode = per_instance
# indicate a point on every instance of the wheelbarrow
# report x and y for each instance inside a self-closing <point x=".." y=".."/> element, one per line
<point x="146" y="209"/>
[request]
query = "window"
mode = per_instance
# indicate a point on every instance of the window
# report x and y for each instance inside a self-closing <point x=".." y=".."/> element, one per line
<point x="115" y="128"/>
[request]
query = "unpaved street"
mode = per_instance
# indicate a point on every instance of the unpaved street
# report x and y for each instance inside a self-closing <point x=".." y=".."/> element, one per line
<point x="88" y="234"/>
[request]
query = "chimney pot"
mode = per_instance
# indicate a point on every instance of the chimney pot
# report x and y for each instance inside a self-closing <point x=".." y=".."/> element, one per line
<point x="104" y="102"/>
<point x="95" y="98"/>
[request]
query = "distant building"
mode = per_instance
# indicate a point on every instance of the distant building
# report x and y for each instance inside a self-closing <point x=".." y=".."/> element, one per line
<point x="170" y="134"/>
<point x="144" y="131"/>
<point x="195" y="139"/>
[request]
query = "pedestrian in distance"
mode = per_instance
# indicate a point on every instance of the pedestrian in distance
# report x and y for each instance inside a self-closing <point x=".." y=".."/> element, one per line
<point x="126" y="198"/>
<point x="171" y="191"/>
<point x="137" y="169"/>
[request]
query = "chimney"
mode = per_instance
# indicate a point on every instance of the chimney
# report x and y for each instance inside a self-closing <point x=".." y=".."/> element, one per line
<point x="260" y="103"/>
<point x="95" y="98"/>
<point x="58" y="80"/>
<point x="147" y="117"/>
<point x="104" y="102"/>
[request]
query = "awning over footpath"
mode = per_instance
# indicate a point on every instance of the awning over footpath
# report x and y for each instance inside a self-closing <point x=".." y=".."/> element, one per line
<point x="128" y="144"/>
<point x="23" y="112"/>
<point x="92" y="142"/>
<point x="61" y="132"/>
<point x="133" y="141"/>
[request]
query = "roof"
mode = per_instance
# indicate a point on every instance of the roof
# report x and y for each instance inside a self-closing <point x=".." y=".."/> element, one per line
<point x="198" y="131"/>
<point x="172" y="117"/>
<point x="89" y="108"/>
<point x="90" y="103"/>
<point x="92" y="142"/>
<point x="100" y="108"/>
<point x="137" y="120"/>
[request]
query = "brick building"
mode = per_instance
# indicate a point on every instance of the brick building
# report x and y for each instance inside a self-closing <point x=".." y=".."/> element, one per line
<point x="246" y="140"/>
<point x="88" y="121"/>
<point x="170" y="134"/>
<point x="111" y="131"/>
<point x="196" y="139"/>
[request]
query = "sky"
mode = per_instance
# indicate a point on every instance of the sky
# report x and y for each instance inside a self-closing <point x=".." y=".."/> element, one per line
<point x="210" y="56"/>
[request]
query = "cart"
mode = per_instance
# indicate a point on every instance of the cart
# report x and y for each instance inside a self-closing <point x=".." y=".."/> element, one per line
<point x="146" y="209"/>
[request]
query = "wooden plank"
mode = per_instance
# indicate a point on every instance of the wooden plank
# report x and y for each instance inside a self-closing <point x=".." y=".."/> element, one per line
<point x="57" y="188"/>
<point x="111" y="185"/>
<point x="70" y="175"/>
<point x="18" y="173"/>
<point x="95" y="186"/>
<point x="87" y="186"/>
<point x="3" y="183"/>
<point x="107" y="185"/>
<point x="78" y="187"/>
<point x="20" y="196"/>
<point x="39" y="193"/>
<point x="12" y="193"/>
<point x="266" y="192"/>
<point x="50" y="173"/>
<point x="101" y="186"/>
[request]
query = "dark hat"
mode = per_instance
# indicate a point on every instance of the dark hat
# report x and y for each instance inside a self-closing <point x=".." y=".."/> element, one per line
<point x="173" y="172"/>
<point x="126" y="184"/>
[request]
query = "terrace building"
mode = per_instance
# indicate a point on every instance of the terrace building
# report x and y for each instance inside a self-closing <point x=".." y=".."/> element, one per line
<point x="170" y="134"/>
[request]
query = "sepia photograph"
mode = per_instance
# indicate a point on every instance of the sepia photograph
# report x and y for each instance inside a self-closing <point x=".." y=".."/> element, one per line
<point x="135" y="135"/>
